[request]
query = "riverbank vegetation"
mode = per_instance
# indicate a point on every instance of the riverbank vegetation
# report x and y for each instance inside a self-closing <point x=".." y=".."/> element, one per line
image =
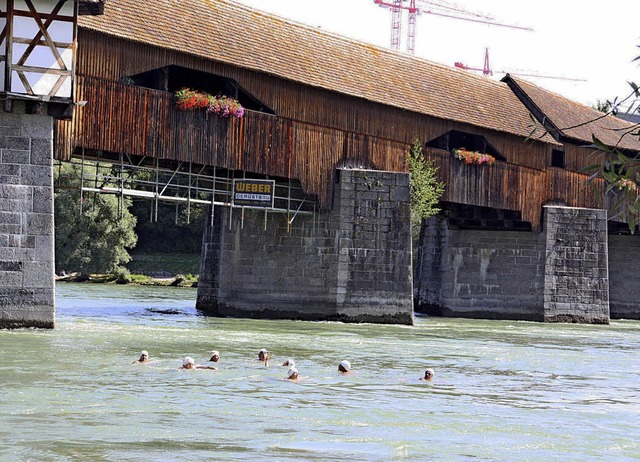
<point x="111" y="239"/>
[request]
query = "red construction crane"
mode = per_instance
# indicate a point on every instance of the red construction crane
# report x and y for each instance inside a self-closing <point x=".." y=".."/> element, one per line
<point x="486" y="70"/>
<point x="416" y="7"/>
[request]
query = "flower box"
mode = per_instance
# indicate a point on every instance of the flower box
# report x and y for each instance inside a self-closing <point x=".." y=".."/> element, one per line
<point x="224" y="106"/>
<point x="473" y="157"/>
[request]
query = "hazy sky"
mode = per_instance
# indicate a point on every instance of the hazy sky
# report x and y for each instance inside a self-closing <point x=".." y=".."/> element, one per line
<point x="591" y="40"/>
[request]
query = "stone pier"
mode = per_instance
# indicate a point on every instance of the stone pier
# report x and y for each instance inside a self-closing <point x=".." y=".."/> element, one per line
<point x="559" y="275"/>
<point x="26" y="221"/>
<point x="352" y="263"/>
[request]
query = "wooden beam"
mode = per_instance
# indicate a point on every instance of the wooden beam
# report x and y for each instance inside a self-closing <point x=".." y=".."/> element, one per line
<point x="42" y="70"/>
<point x="8" y="47"/>
<point x="57" y="17"/>
<point x="58" y="84"/>
<point x="25" y="83"/>
<point x="43" y="33"/>
<point x="28" y="41"/>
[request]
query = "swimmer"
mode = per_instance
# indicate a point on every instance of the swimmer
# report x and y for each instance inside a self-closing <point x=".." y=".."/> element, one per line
<point x="292" y="374"/>
<point x="289" y="362"/>
<point x="189" y="363"/>
<point x="264" y="356"/>
<point x="144" y="358"/>
<point x="344" y="366"/>
<point x="428" y="374"/>
<point x="215" y="356"/>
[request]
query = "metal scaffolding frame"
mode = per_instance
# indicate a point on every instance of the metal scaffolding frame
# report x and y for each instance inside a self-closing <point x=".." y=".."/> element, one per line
<point x="182" y="182"/>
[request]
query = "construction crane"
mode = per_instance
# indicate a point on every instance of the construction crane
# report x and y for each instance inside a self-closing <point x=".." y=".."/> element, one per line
<point x="486" y="70"/>
<point x="416" y="7"/>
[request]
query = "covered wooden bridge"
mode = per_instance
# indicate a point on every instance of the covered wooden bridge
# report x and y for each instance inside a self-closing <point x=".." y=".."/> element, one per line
<point x="330" y="120"/>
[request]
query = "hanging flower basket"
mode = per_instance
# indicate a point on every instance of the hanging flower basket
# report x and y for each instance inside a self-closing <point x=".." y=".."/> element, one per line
<point x="473" y="157"/>
<point x="224" y="106"/>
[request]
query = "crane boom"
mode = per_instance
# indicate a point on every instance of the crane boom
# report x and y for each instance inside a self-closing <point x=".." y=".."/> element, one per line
<point x="447" y="11"/>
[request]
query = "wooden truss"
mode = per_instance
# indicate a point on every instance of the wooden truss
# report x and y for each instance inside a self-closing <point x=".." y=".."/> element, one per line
<point x="15" y="63"/>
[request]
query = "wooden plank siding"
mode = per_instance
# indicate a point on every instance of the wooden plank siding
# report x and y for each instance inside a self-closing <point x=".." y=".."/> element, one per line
<point x="112" y="59"/>
<point x="512" y="187"/>
<point x="315" y="131"/>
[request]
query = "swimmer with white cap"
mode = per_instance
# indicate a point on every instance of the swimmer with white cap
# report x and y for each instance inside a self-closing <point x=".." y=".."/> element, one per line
<point x="344" y="366"/>
<point x="289" y="362"/>
<point x="428" y="374"/>
<point x="264" y="356"/>
<point x="215" y="356"/>
<point x="189" y="363"/>
<point x="144" y="357"/>
<point x="292" y="374"/>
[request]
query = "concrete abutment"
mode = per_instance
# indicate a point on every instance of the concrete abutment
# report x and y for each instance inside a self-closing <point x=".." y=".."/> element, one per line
<point x="352" y="263"/>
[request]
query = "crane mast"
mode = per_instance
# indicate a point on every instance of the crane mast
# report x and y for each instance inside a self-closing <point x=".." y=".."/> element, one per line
<point x="437" y="8"/>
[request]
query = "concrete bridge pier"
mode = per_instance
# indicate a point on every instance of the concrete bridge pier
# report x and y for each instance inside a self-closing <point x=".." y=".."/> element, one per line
<point x="559" y="275"/>
<point x="26" y="221"/>
<point x="352" y="263"/>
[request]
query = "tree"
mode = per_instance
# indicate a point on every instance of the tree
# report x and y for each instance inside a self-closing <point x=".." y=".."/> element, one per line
<point x="424" y="187"/>
<point x="94" y="240"/>
<point x="621" y="172"/>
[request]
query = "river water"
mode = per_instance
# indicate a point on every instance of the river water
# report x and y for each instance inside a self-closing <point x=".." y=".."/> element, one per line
<point x="502" y="390"/>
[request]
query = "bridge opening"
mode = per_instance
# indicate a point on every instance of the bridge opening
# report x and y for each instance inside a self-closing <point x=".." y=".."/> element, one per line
<point x="172" y="78"/>
<point x="461" y="216"/>
<point x="182" y="184"/>
<point x="455" y="139"/>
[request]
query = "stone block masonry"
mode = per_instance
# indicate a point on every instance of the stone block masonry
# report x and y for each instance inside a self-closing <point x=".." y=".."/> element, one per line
<point x="559" y="275"/>
<point x="576" y="278"/>
<point x="26" y="221"/>
<point x="352" y="263"/>
<point x="624" y="266"/>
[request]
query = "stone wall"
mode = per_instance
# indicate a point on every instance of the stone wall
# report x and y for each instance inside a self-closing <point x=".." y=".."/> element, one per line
<point x="480" y="274"/>
<point x="26" y="221"/>
<point x="576" y="272"/>
<point x="558" y="275"/>
<point x="624" y="265"/>
<point x="352" y="263"/>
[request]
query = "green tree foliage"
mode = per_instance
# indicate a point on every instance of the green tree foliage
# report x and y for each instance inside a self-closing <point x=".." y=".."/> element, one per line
<point x="176" y="229"/>
<point x="424" y="187"/>
<point x="621" y="171"/>
<point x="94" y="240"/>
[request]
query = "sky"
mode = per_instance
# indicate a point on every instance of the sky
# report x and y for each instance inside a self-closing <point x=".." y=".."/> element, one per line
<point x="592" y="42"/>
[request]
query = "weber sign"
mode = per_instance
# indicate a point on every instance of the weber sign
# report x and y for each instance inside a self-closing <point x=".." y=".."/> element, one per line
<point x="253" y="193"/>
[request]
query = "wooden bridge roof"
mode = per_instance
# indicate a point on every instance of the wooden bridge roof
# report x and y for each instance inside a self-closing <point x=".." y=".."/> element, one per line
<point x="225" y="31"/>
<point x="568" y="120"/>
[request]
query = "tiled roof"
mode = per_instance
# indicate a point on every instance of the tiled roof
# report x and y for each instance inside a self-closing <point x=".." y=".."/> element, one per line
<point x="226" y="31"/>
<point x="573" y="120"/>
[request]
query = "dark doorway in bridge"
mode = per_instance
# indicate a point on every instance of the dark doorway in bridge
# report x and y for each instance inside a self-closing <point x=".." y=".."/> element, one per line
<point x="455" y="139"/>
<point x="462" y="216"/>
<point x="173" y="78"/>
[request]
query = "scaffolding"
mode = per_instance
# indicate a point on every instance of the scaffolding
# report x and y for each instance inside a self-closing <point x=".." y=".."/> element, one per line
<point x="183" y="183"/>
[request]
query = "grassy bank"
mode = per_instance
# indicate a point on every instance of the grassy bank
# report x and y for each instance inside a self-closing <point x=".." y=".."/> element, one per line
<point x="159" y="269"/>
<point x="164" y="265"/>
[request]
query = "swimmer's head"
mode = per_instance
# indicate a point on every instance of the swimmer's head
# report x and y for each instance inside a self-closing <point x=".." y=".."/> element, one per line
<point x="264" y="355"/>
<point x="188" y="363"/>
<point x="215" y="356"/>
<point x="428" y="374"/>
<point x="292" y="373"/>
<point x="289" y="362"/>
<point x="344" y="366"/>
<point x="143" y="355"/>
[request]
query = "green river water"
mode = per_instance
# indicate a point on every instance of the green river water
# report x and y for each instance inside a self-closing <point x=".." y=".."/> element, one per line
<point x="502" y="391"/>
